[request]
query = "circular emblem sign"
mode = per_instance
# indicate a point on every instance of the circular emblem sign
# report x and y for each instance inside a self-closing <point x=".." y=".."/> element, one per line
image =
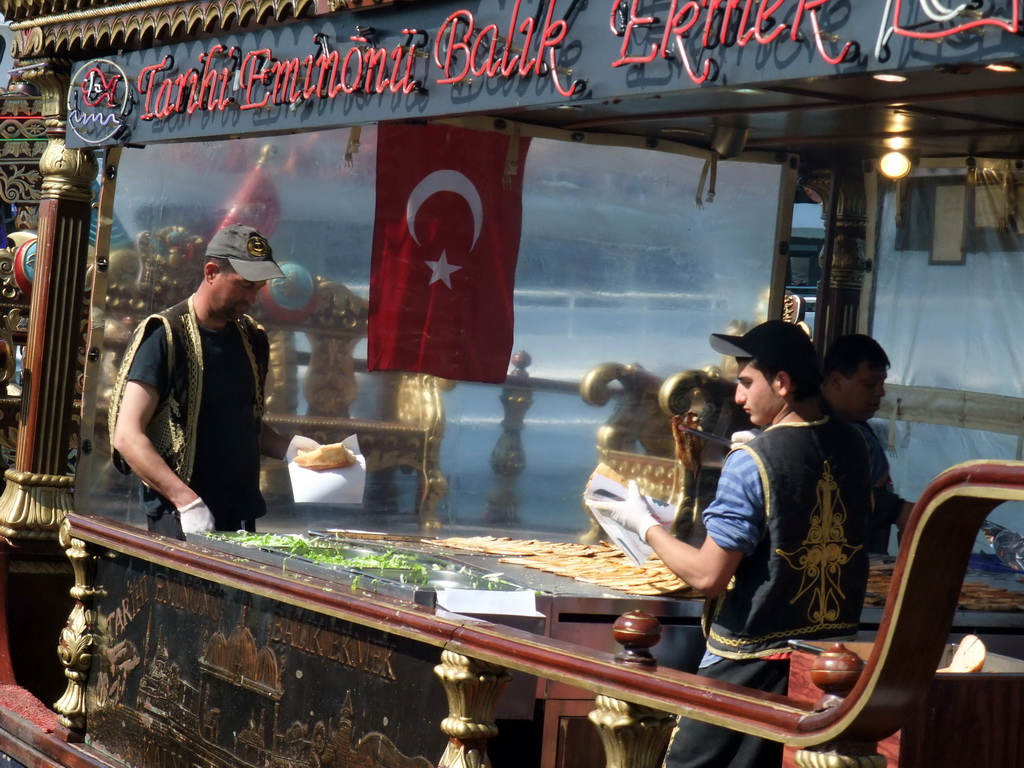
<point x="100" y="102"/>
<point x="25" y="266"/>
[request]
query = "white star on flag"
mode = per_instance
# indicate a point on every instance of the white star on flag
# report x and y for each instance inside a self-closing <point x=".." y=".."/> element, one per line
<point x="441" y="270"/>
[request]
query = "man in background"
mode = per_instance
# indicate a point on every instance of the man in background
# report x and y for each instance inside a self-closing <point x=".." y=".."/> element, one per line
<point x="855" y="369"/>
<point x="186" y="415"/>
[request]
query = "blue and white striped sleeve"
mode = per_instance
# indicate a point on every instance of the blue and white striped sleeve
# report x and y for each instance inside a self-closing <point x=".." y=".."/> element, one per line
<point x="735" y="519"/>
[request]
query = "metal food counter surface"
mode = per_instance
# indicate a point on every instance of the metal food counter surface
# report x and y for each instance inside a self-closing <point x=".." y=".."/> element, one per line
<point x="583" y="613"/>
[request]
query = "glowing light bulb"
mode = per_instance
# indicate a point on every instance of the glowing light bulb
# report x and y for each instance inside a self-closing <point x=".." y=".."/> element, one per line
<point x="894" y="165"/>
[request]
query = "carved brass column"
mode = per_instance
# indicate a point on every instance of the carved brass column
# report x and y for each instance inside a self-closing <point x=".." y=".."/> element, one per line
<point x="39" y="491"/>
<point x="473" y="688"/>
<point x="78" y="640"/>
<point x="633" y="736"/>
<point x="837" y="757"/>
<point x="843" y="261"/>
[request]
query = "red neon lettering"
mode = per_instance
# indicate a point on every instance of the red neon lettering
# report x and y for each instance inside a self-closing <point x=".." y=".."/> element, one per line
<point x="286" y="78"/>
<point x="405" y="82"/>
<point x="727" y="14"/>
<point x="746" y="28"/>
<point x="147" y="87"/>
<point x="551" y="36"/>
<point x="449" y="32"/>
<point x="802" y="7"/>
<point x="329" y="65"/>
<point x="678" y="26"/>
<point x="254" y="73"/>
<point x="376" y="70"/>
<point x="764" y="12"/>
<point x="511" y="61"/>
<point x="1011" y="25"/>
<point x="489" y="36"/>
<point x="819" y="43"/>
<point x="709" y="18"/>
<point x="309" y="88"/>
<point x="208" y="81"/>
<point x="632" y="23"/>
<point x="352" y="86"/>
<point x="97" y="90"/>
<point x="164" y="99"/>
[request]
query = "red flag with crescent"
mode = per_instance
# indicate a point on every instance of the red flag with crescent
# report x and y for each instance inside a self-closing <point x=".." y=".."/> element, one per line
<point x="445" y="243"/>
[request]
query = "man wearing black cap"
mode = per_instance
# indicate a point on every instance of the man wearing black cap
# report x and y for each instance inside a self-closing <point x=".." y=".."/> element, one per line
<point x="186" y="414"/>
<point x="788" y="528"/>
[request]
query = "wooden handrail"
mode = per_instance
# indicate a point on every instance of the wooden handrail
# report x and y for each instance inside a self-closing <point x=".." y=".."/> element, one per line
<point x="925" y="590"/>
<point x="914" y="630"/>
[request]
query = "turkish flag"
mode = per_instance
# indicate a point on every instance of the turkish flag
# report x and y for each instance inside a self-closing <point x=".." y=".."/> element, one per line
<point x="445" y="243"/>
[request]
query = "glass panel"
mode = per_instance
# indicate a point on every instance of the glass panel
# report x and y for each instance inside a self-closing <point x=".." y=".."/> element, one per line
<point x="951" y="324"/>
<point x="616" y="265"/>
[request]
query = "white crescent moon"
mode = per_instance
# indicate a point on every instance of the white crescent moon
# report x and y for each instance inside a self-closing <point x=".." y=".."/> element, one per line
<point x="445" y="181"/>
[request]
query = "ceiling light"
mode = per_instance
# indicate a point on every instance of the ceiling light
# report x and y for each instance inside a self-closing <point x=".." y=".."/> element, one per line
<point x="1005" y="67"/>
<point x="887" y="78"/>
<point x="894" y="165"/>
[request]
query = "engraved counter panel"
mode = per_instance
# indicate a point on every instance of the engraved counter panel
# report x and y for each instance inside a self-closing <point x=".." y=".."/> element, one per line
<point x="191" y="672"/>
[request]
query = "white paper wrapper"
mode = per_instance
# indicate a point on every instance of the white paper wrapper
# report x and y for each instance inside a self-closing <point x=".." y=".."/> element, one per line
<point x="605" y="484"/>
<point x="330" y="486"/>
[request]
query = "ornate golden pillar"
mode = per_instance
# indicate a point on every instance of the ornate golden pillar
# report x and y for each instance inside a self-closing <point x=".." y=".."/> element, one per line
<point x="79" y="638"/>
<point x="39" y="491"/>
<point x="633" y="736"/>
<point x="843" y="261"/>
<point x="805" y="758"/>
<point x="473" y="688"/>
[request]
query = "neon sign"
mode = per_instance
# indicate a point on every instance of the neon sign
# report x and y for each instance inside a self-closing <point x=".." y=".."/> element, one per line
<point x="443" y="58"/>
<point x="463" y="50"/>
<point x="102" y="103"/>
<point x="256" y="79"/>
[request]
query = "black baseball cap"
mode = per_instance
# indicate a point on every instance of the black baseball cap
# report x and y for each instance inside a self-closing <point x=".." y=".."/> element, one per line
<point x="248" y="252"/>
<point x="776" y="344"/>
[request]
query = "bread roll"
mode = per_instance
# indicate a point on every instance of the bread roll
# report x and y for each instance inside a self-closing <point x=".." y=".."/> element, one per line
<point x="333" y="456"/>
<point x="968" y="657"/>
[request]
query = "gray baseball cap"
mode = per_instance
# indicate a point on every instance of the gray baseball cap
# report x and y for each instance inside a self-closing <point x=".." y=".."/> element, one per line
<point x="248" y="252"/>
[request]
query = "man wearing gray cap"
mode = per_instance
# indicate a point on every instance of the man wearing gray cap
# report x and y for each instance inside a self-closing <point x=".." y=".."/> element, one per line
<point x="785" y="556"/>
<point x="186" y="414"/>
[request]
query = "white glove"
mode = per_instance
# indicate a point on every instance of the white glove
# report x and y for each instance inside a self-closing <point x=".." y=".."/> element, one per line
<point x="196" y="517"/>
<point x="300" y="444"/>
<point x="633" y="514"/>
<point x="744" y="437"/>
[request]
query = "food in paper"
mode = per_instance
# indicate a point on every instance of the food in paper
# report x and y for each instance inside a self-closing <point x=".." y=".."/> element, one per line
<point x="340" y="485"/>
<point x="333" y="456"/>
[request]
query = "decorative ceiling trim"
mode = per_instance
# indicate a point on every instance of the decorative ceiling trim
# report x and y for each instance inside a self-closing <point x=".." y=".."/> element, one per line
<point x="143" y="23"/>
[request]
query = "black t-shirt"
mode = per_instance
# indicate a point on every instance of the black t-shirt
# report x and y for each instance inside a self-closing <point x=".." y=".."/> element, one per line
<point x="226" y="474"/>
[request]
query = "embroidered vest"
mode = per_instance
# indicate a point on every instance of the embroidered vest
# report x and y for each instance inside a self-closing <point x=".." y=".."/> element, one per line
<point x="173" y="426"/>
<point x="807" y="577"/>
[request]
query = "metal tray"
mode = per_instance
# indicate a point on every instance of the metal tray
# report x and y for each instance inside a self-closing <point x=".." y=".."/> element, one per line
<point x="418" y="584"/>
